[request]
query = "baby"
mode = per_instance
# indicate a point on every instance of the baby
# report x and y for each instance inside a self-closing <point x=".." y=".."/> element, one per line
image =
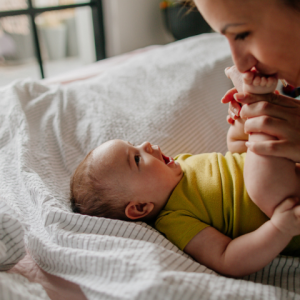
<point x="199" y="202"/>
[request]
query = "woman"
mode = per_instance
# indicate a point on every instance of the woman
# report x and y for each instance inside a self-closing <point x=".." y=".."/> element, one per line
<point x="264" y="34"/>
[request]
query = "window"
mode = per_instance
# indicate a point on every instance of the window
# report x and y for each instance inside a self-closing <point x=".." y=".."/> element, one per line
<point x="48" y="31"/>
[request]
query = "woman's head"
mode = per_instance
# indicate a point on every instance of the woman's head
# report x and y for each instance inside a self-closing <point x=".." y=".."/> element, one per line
<point x="261" y="34"/>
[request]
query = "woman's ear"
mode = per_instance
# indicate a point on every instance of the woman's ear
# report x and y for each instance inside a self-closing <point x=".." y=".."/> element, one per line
<point x="136" y="210"/>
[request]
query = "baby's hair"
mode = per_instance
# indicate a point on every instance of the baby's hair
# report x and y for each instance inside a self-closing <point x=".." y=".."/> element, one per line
<point x="93" y="196"/>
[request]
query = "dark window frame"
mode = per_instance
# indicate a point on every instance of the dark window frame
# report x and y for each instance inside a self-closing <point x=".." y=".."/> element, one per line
<point x="32" y="12"/>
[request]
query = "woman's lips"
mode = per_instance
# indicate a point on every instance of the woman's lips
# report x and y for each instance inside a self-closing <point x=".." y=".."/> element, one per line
<point x="264" y="73"/>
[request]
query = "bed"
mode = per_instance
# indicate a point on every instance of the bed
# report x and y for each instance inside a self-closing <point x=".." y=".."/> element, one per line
<point x="169" y="95"/>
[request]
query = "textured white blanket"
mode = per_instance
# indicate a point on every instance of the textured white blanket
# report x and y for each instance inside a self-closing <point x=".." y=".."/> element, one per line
<point x="169" y="96"/>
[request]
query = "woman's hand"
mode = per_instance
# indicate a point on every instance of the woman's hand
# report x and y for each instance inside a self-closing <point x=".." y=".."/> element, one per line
<point x="273" y="114"/>
<point x="234" y="106"/>
<point x="286" y="217"/>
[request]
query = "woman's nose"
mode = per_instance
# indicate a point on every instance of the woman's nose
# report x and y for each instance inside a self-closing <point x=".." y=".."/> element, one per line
<point x="243" y="59"/>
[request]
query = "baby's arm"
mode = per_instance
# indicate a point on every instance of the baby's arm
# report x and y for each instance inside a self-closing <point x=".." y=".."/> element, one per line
<point x="250" y="252"/>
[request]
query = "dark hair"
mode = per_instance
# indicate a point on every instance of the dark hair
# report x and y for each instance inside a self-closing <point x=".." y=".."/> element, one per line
<point x="93" y="197"/>
<point x="292" y="3"/>
<point x="188" y="2"/>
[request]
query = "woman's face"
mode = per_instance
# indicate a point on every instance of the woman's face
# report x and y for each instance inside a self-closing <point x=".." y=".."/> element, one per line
<point x="261" y="33"/>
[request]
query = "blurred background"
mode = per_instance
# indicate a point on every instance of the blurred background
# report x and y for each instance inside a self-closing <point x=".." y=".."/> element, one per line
<point x="44" y="38"/>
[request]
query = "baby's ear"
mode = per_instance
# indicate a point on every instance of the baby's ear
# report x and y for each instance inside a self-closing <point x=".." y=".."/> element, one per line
<point x="136" y="210"/>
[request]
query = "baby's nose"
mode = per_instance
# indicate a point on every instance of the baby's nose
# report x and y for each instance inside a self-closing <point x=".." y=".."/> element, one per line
<point x="147" y="147"/>
<point x="155" y="147"/>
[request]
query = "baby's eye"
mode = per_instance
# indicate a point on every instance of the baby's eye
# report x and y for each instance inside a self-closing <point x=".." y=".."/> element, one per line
<point x="137" y="159"/>
<point x="241" y="36"/>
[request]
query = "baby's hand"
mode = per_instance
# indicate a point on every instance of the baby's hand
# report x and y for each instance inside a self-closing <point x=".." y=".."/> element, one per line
<point x="286" y="217"/>
<point x="251" y="81"/>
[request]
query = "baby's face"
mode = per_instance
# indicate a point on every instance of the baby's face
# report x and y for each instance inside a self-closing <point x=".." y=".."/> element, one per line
<point x="144" y="170"/>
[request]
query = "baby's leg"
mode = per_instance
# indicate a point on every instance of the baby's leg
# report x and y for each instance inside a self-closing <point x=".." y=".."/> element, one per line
<point x="269" y="179"/>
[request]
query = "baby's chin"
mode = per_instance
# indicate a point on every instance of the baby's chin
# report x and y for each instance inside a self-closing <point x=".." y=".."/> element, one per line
<point x="180" y="172"/>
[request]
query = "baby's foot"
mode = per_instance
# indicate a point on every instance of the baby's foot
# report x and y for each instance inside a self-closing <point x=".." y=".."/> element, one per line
<point x="251" y="81"/>
<point x="258" y="84"/>
<point x="236" y="78"/>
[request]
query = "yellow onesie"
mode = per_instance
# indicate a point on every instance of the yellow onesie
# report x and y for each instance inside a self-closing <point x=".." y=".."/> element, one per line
<point x="212" y="193"/>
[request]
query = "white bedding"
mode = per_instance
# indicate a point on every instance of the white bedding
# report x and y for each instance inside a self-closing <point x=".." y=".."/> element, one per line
<point x="169" y="96"/>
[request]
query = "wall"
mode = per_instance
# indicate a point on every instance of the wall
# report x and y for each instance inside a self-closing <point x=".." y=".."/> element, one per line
<point x="133" y="24"/>
<point x="85" y="32"/>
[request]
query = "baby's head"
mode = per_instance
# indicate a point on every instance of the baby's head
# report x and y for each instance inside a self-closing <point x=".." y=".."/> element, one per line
<point x="120" y="181"/>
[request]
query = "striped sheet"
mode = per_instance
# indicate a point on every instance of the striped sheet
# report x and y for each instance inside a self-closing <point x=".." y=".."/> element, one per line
<point x="169" y="96"/>
<point x="17" y="287"/>
<point x="12" y="247"/>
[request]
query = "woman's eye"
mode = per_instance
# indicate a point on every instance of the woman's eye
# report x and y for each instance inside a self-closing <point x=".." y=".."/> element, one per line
<point x="137" y="159"/>
<point x="241" y="36"/>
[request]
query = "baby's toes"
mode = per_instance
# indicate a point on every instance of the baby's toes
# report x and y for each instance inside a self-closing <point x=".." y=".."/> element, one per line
<point x="248" y="77"/>
<point x="297" y="211"/>
<point x="271" y="81"/>
<point x="263" y="81"/>
<point x="256" y="81"/>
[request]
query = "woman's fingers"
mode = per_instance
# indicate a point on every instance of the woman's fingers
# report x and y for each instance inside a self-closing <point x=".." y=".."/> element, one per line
<point x="290" y="115"/>
<point x="288" y="204"/>
<point x="230" y="120"/>
<point x="273" y="98"/>
<point x="272" y="126"/>
<point x="280" y="148"/>
<point x="288" y="143"/>
<point x="228" y="97"/>
<point x="235" y="108"/>
<point x="231" y="113"/>
<point x="276" y="115"/>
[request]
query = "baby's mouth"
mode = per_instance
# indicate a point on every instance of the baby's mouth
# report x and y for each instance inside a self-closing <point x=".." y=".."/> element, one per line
<point x="167" y="159"/>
